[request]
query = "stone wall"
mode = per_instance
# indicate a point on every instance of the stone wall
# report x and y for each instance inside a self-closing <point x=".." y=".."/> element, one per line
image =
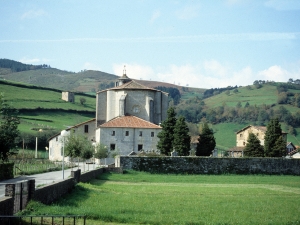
<point x="207" y="165"/>
<point x="49" y="193"/>
<point x="6" y="206"/>
<point x="86" y="177"/>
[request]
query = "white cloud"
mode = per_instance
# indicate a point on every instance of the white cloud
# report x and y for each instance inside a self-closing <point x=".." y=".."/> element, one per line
<point x="178" y="39"/>
<point x="33" y="60"/>
<point x="91" y="66"/>
<point x="188" y="12"/>
<point x="283" y="5"/>
<point x="134" y="71"/>
<point x="33" y="14"/>
<point x="155" y="16"/>
<point x="206" y="74"/>
<point x="275" y="73"/>
<point x="215" y="68"/>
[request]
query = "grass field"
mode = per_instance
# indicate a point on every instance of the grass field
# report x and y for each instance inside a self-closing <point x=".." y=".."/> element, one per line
<point x="142" y="198"/>
<point x="53" y="120"/>
<point x="266" y="95"/>
<point x="21" y="97"/>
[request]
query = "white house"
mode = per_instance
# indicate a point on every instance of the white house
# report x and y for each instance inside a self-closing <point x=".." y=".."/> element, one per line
<point x="56" y="142"/>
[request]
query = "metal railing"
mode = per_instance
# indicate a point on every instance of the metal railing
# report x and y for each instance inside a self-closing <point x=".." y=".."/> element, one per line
<point x="45" y="220"/>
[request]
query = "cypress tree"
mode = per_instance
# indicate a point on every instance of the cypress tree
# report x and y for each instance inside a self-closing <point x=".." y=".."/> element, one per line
<point x="279" y="148"/>
<point x="182" y="139"/>
<point x="206" y="142"/>
<point x="166" y="136"/>
<point x="253" y="147"/>
<point x="274" y="146"/>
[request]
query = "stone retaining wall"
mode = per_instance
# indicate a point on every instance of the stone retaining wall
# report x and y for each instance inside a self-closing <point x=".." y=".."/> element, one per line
<point x="7" y="206"/>
<point x="49" y="193"/>
<point x="52" y="192"/>
<point x="207" y="165"/>
<point x="86" y="177"/>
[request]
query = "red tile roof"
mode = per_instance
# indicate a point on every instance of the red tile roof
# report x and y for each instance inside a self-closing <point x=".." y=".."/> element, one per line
<point x="130" y="122"/>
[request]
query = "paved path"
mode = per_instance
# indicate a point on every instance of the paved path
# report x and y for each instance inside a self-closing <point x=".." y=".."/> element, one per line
<point x="43" y="178"/>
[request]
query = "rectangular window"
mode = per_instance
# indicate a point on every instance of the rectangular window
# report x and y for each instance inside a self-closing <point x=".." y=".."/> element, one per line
<point x="141" y="133"/>
<point x="56" y="139"/>
<point x="86" y="128"/>
<point x="140" y="147"/>
<point x="152" y="134"/>
<point x="126" y="133"/>
<point x="112" y="147"/>
<point x="241" y="135"/>
<point x="113" y="133"/>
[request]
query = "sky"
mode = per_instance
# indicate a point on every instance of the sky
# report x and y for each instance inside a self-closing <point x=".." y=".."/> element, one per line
<point x="203" y="43"/>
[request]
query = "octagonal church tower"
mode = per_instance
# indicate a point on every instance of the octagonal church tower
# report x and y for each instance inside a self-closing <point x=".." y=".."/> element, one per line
<point x="127" y="111"/>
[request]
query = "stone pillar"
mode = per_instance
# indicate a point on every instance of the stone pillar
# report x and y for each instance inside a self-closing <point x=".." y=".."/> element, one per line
<point x="10" y="190"/>
<point x="76" y="175"/>
<point x="31" y="189"/>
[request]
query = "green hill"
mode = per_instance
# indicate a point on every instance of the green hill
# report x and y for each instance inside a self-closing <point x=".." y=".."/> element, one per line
<point x="227" y="109"/>
<point x="43" y="108"/>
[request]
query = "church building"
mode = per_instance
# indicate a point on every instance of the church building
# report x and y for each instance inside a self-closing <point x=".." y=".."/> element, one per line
<point x="128" y="116"/>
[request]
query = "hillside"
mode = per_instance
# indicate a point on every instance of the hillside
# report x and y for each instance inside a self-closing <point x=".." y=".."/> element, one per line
<point x="88" y="81"/>
<point x="227" y="110"/>
<point x="41" y="108"/>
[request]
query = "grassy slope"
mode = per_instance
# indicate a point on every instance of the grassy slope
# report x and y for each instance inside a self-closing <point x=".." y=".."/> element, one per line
<point x="26" y="98"/>
<point x="141" y="198"/>
<point x="64" y="80"/>
<point x="265" y="95"/>
<point x="225" y="132"/>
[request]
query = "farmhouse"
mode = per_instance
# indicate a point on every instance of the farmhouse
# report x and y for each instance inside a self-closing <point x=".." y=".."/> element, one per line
<point x="86" y="128"/>
<point x="242" y="137"/>
<point x="127" y="119"/>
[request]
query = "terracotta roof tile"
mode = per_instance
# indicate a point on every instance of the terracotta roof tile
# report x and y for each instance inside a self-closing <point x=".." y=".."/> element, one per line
<point x="130" y="122"/>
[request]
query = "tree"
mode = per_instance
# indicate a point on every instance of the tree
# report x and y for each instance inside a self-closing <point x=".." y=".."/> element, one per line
<point x="206" y="142"/>
<point x="272" y="143"/>
<point x="73" y="145"/>
<point x="101" y="152"/>
<point x="253" y="147"/>
<point x="279" y="148"/>
<point x="8" y="129"/>
<point x="182" y="139"/>
<point x="87" y="150"/>
<point x="82" y="100"/>
<point x="166" y="136"/>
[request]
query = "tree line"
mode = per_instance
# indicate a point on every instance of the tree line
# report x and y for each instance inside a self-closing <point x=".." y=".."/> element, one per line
<point x="18" y="66"/>
<point x="175" y="137"/>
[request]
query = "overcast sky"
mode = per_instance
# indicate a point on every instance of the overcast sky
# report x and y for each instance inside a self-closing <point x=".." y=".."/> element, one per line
<point x="197" y="43"/>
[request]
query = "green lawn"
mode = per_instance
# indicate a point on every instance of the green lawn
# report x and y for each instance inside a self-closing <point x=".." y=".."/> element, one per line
<point x="142" y="198"/>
